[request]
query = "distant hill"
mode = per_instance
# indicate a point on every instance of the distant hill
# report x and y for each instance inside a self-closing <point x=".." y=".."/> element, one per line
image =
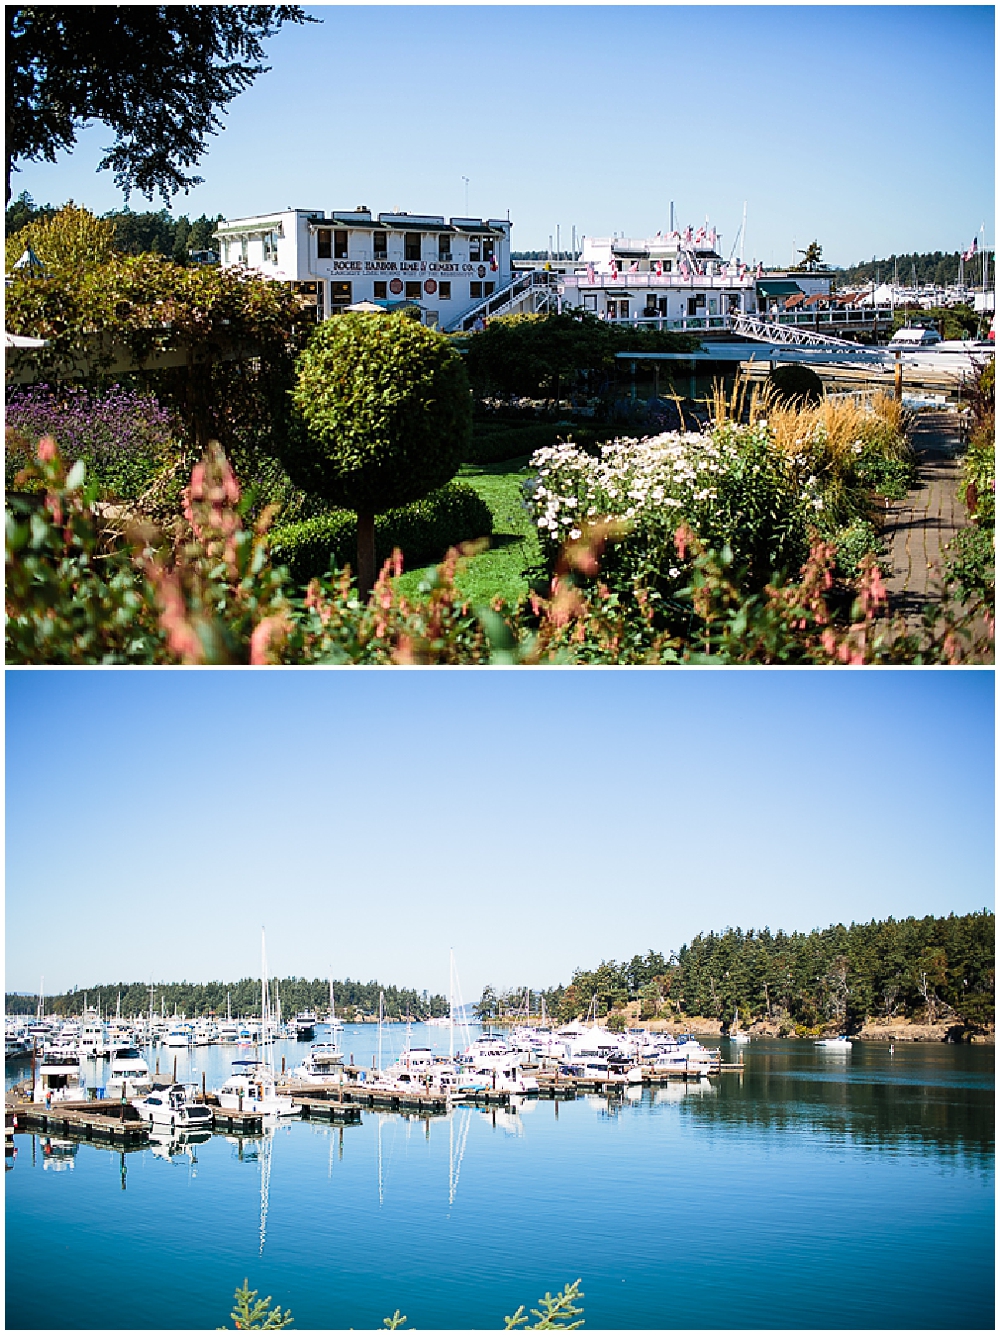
<point x="935" y="266"/>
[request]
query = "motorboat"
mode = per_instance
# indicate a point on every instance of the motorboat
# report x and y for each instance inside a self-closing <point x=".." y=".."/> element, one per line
<point x="129" y="1077"/>
<point x="253" y="1088"/>
<point x="94" y="1036"/>
<point x="173" y="1106"/>
<point x="324" y="1065"/>
<point x="305" y="1025"/>
<point x="178" y="1036"/>
<point x="61" y="1078"/>
<point x="205" y="1033"/>
<point x="839" y="1044"/>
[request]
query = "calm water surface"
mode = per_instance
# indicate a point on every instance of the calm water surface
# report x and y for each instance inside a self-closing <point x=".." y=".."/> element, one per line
<point x="817" y="1191"/>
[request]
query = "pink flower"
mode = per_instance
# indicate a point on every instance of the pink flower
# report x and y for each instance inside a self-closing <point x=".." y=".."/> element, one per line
<point x="47" y="449"/>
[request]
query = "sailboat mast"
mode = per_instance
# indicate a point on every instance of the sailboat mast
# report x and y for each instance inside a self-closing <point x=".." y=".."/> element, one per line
<point x="451" y="1003"/>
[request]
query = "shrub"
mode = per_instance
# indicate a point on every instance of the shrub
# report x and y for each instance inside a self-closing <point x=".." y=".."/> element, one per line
<point x="423" y="531"/>
<point x="382" y="415"/>
<point x="124" y="437"/>
<point x="795" y="383"/>
<point x="853" y="544"/>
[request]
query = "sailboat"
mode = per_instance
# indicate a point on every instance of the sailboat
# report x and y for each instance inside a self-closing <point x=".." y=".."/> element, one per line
<point x="253" y="1087"/>
<point x="736" y="1034"/>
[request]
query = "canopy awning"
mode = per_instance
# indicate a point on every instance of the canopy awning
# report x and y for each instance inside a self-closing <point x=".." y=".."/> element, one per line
<point x="778" y="287"/>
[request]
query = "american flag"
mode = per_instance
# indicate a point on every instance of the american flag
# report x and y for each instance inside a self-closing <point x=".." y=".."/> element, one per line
<point x="591" y="275"/>
<point x="685" y="271"/>
<point x="699" y="236"/>
<point x="972" y="249"/>
<point x="659" y="268"/>
<point x="634" y="267"/>
<point x="614" y="268"/>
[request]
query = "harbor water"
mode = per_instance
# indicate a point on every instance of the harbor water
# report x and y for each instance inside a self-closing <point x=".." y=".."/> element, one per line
<point x="815" y="1190"/>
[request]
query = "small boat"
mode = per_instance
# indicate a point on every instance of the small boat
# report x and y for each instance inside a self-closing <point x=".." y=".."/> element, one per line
<point x="840" y="1044"/>
<point x="178" y="1036"/>
<point x="736" y="1034"/>
<point x="173" y="1106"/>
<point x="324" y="1065"/>
<point x="129" y="1078"/>
<point x="252" y="1088"/>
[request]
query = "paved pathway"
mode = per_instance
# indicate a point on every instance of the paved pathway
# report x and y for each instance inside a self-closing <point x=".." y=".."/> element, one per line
<point x="919" y="527"/>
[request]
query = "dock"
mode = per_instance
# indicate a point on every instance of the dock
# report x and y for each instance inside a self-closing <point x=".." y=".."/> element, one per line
<point x="85" y="1121"/>
<point x="328" y="1110"/>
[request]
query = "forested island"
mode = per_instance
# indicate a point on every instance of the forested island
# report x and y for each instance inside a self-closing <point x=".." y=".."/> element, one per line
<point x="931" y="971"/>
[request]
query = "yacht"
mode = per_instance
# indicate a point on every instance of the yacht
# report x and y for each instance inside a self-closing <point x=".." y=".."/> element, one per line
<point x="324" y="1065"/>
<point x="252" y="1088"/>
<point x="173" y="1106"/>
<point x="178" y="1036"/>
<point x="305" y="1025"/>
<point x="129" y="1078"/>
<point x="61" y="1077"/>
<point x="93" y="1036"/>
<point x="840" y="1044"/>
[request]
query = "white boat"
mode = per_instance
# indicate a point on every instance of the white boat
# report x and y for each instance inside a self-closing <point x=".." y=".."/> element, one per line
<point x="93" y="1036"/>
<point x="178" y="1036"/>
<point x="173" y="1106"/>
<point x="61" y="1077"/>
<point x="305" y="1025"/>
<point x="252" y="1087"/>
<point x="840" y="1044"/>
<point x="736" y="1034"/>
<point x="324" y="1065"/>
<point x="129" y="1078"/>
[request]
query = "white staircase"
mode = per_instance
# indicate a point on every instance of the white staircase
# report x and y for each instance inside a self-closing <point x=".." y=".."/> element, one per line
<point x="532" y="292"/>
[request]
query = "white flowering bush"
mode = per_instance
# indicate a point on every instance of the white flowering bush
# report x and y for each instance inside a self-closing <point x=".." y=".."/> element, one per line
<point x="732" y="485"/>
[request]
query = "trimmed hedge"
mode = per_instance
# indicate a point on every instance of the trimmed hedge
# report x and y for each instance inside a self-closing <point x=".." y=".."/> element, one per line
<point x="423" y="531"/>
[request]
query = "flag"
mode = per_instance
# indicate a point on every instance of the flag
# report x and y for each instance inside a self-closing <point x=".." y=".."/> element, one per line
<point x="760" y="271"/>
<point x="659" y="268"/>
<point x="634" y="267"/>
<point x="699" y="236"/>
<point x="591" y="275"/>
<point x="968" y="255"/>
<point x="493" y="263"/>
<point x="685" y="271"/>
<point x="688" y="236"/>
<point x="713" y="237"/>
<point x="614" y="267"/>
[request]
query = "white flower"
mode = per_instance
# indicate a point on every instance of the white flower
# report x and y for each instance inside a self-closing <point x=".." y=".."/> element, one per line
<point x="818" y="503"/>
<point x="673" y="572"/>
<point x="575" y="533"/>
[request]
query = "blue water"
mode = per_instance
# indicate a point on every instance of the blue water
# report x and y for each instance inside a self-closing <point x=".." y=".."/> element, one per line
<point x="818" y="1191"/>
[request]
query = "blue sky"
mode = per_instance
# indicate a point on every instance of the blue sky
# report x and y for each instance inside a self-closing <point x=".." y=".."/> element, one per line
<point x="532" y="820"/>
<point x="869" y="128"/>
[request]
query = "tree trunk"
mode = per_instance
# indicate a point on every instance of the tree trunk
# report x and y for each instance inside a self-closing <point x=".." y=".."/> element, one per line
<point x="366" y="554"/>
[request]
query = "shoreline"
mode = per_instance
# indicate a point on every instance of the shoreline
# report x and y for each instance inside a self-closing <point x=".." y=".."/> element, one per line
<point x="872" y="1031"/>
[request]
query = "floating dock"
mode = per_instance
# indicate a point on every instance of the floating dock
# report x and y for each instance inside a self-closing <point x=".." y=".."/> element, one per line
<point x="87" y="1121"/>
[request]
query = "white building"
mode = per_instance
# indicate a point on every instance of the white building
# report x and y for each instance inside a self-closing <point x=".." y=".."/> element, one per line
<point x="677" y="280"/>
<point x="335" y="260"/>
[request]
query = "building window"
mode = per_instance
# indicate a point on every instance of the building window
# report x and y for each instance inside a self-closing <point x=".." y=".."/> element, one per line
<point x="445" y="290"/>
<point x="270" y="247"/>
<point x="623" y="310"/>
<point x="612" y="310"/>
<point x="381" y="291"/>
<point x="340" y="295"/>
<point x="475" y="290"/>
<point x="489" y="289"/>
<point x="668" y="266"/>
<point x="340" y="245"/>
<point x="381" y="245"/>
<point x="412" y="246"/>
<point x="489" y="248"/>
<point x="243" y="249"/>
<point x="413" y="291"/>
<point x="324" y="241"/>
<point x="444" y="246"/>
<point x="475" y="247"/>
<point x="590" y="301"/>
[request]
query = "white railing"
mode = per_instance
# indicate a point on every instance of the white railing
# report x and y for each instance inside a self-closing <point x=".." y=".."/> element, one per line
<point x="499" y="303"/>
<point x="772" y="331"/>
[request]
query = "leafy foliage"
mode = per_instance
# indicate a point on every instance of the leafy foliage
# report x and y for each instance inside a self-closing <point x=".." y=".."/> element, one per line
<point x="382" y="413"/>
<point x="838" y="973"/>
<point x="67" y="241"/>
<point x="239" y="335"/>
<point x="795" y="382"/>
<point x="553" y="1313"/>
<point x="423" y="530"/>
<point x="259" y="1316"/>
<point x="125" y="438"/>
<point x="156" y="74"/>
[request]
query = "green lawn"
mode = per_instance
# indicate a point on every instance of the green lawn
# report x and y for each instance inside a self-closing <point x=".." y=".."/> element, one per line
<point x="514" y="547"/>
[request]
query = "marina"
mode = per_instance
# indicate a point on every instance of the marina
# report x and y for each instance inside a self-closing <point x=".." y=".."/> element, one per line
<point x="816" y="1146"/>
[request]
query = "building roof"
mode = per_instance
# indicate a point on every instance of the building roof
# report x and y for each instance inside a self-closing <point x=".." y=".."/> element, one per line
<point x="777" y="287"/>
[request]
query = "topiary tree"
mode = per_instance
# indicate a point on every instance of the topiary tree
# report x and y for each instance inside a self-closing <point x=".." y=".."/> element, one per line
<point x="382" y="416"/>
<point x="794" y="382"/>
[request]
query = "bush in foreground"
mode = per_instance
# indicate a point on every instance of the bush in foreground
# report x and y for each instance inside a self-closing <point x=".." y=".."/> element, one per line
<point x="78" y="593"/>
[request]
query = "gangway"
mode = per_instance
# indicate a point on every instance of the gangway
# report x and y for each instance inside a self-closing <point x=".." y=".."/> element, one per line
<point x="770" y="331"/>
